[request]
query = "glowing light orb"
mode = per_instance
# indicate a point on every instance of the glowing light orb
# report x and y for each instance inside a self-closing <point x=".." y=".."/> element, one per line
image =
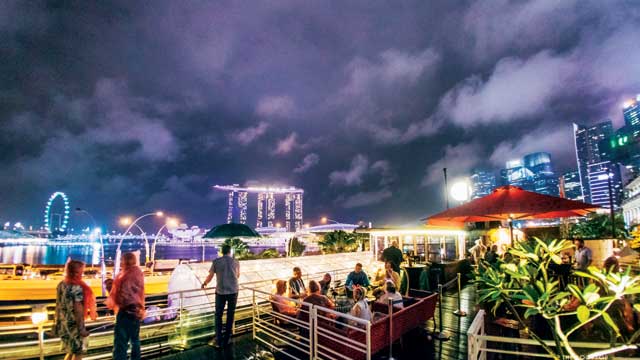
<point x="460" y="191"/>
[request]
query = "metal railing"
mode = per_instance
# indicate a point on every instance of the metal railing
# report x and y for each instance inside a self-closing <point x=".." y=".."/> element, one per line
<point x="180" y="317"/>
<point x="307" y="335"/>
<point x="479" y="344"/>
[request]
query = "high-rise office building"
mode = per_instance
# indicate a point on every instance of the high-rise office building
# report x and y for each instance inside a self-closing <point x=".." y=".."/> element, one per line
<point x="533" y="172"/>
<point x="482" y="183"/>
<point x="631" y="113"/>
<point x="588" y="141"/>
<point x="599" y="181"/>
<point x="570" y="187"/>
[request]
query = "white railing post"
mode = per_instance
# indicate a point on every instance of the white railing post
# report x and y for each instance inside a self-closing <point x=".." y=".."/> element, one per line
<point x="368" y="340"/>
<point x="390" y="310"/>
<point x="41" y="340"/>
<point x="313" y="332"/>
<point x="255" y="313"/>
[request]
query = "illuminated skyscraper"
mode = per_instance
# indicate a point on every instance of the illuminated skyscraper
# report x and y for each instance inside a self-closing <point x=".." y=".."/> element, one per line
<point x="588" y="141"/>
<point x="533" y="173"/>
<point x="267" y="212"/>
<point x="631" y="113"/>
<point x="482" y="183"/>
<point x="599" y="183"/>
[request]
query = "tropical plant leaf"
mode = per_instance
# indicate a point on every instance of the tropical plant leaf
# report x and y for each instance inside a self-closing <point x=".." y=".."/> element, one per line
<point x="583" y="313"/>
<point x="611" y="323"/>
<point x="531" y="312"/>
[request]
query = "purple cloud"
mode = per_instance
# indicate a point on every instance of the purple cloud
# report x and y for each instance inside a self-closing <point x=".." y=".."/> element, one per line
<point x="275" y="106"/>
<point x="307" y="163"/>
<point x="250" y="134"/>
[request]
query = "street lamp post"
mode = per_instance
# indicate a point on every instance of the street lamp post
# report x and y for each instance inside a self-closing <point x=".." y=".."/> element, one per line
<point x="103" y="267"/>
<point x="170" y="222"/>
<point x="118" y="251"/>
<point x="325" y="219"/>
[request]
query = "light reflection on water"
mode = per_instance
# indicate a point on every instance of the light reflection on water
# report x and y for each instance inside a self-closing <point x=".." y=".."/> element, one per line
<point x="90" y="253"/>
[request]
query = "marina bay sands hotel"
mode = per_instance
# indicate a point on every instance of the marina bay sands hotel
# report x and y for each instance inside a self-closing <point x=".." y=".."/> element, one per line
<point x="238" y="200"/>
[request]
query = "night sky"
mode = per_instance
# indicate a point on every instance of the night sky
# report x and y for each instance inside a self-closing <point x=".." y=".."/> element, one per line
<point x="133" y="106"/>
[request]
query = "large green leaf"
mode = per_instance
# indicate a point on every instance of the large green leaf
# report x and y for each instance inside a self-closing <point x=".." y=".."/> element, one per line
<point x="531" y="312"/>
<point x="583" y="313"/>
<point x="611" y="323"/>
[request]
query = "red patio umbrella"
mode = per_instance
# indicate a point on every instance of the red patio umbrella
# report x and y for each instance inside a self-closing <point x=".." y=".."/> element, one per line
<point x="512" y="203"/>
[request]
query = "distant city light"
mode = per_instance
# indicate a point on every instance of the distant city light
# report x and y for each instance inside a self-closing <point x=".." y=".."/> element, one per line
<point x="97" y="231"/>
<point x="172" y="222"/>
<point x="125" y="221"/>
<point x="159" y="213"/>
<point x="628" y="104"/>
<point x="460" y="191"/>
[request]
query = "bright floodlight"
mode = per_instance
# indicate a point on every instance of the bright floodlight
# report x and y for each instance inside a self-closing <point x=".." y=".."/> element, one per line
<point x="125" y="221"/>
<point x="159" y="213"/>
<point x="460" y="191"/>
<point x="97" y="231"/>
<point x="323" y="219"/>
<point x="278" y="225"/>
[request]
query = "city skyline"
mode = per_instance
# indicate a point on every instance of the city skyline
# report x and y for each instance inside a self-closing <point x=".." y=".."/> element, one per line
<point x="129" y="108"/>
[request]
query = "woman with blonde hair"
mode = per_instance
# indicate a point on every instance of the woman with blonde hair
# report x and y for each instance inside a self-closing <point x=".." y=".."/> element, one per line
<point x="361" y="308"/>
<point x="74" y="302"/>
<point x="127" y="300"/>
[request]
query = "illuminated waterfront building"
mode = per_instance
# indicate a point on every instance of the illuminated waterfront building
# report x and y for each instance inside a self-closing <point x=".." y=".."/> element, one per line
<point x="266" y="205"/>
<point x="599" y="183"/>
<point x="588" y="142"/>
<point x="482" y="183"/>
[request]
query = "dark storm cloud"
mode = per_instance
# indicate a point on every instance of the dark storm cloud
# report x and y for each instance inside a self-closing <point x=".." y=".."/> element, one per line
<point x="130" y="107"/>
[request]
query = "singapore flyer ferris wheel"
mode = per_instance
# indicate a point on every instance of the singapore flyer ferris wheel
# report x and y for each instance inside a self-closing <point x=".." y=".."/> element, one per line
<point x="63" y="218"/>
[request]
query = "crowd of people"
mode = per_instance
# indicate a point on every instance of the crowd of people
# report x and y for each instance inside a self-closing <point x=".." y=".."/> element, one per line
<point x="357" y="285"/>
<point x="76" y="302"/>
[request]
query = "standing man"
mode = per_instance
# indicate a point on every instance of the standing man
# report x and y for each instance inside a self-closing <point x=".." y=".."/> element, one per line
<point x="297" y="290"/>
<point x="126" y="298"/>
<point x="394" y="255"/>
<point x="226" y="269"/>
<point x="583" y="255"/>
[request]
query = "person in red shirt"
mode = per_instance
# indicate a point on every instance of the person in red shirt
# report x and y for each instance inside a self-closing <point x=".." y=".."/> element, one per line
<point x="127" y="300"/>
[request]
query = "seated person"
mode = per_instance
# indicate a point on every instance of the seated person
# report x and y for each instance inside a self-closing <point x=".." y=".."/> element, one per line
<point x="387" y="275"/>
<point x="325" y="284"/>
<point x="318" y="299"/>
<point x="391" y="293"/>
<point x="297" y="290"/>
<point x="357" y="278"/>
<point x="281" y="303"/>
<point x="361" y="308"/>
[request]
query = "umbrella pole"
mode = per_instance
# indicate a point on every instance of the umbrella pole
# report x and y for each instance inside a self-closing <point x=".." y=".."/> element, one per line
<point x="511" y="231"/>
